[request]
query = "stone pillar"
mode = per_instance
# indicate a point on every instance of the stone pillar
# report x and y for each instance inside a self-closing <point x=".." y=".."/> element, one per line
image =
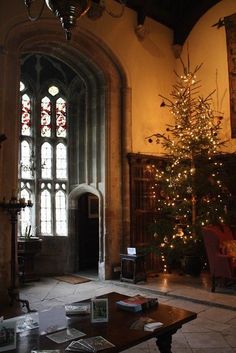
<point x="9" y="125"/>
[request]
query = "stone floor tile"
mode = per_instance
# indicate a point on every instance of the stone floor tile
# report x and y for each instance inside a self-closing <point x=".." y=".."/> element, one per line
<point x="213" y="350"/>
<point x="230" y="331"/>
<point x="179" y="340"/>
<point x="231" y="339"/>
<point x="232" y="322"/>
<point x="219" y="314"/>
<point x="205" y="325"/>
<point x="206" y="340"/>
<point x="197" y="289"/>
<point x="181" y="350"/>
<point x="195" y="326"/>
<point x="145" y="347"/>
<point x="191" y="306"/>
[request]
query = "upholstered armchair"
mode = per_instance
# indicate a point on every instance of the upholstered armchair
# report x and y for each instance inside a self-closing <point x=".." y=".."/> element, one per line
<point x="221" y="252"/>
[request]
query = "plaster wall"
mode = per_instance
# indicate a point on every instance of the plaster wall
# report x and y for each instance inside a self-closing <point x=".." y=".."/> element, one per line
<point x="207" y="45"/>
<point x="149" y="64"/>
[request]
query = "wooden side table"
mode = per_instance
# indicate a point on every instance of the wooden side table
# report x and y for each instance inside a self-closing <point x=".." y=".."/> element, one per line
<point x="27" y="249"/>
<point x="132" y="268"/>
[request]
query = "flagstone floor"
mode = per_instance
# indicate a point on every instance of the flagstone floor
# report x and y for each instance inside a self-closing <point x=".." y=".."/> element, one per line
<point x="214" y="330"/>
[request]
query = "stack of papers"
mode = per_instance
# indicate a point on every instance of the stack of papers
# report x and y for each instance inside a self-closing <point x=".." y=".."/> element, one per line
<point x="145" y="323"/>
<point x="65" y="335"/>
<point x="152" y="326"/>
<point x="91" y="344"/>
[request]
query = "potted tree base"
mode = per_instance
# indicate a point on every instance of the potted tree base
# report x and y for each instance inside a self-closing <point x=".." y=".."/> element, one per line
<point x="193" y="257"/>
<point x="192" y="265"/>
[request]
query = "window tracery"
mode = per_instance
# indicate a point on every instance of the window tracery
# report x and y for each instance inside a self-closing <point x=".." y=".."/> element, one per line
<point x="43" y="160"/>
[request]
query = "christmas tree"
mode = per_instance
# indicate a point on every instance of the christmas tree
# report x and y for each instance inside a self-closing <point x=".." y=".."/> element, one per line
<point x="189" y="192"/>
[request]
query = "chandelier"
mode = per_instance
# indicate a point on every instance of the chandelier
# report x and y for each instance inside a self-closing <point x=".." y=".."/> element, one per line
<point x="69" y="11"/>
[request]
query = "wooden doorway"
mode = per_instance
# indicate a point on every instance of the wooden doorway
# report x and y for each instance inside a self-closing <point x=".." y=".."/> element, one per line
<point x="88" y="232"/>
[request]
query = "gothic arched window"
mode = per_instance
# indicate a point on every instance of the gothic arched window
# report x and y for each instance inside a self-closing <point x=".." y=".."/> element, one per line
<point x="43" y="160"/>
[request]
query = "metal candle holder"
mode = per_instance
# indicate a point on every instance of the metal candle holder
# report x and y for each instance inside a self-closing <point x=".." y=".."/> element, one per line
<point x="13" y="207"/>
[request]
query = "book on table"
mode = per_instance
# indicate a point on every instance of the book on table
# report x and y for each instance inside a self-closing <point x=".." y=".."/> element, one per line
<point x="137" y="303"/>
<point x="77" y="308"/>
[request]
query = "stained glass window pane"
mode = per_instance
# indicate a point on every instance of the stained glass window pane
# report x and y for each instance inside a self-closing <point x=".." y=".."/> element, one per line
<point x="46" y="111"/>
<point x="26" y="116"/>
<point x="46" y="213"/>
<point x="26" y="165"/>
<point x="46" y="160"/>
<point x="61" y="217"/>
<point x="61" y="117"/>
<point x="53" y="90"/>
<point x="22" y="86"/>
<point x="43" y="159"/>
<point x="61" y="161"/>
<point x="25" y="216"/>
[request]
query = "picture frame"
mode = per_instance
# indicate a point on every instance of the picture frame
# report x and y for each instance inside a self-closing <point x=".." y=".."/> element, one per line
<point x="131" y="251"/>
<point x="93" y="206"/>
<point x="99" y="310"/>
<point x="7" y="335"/>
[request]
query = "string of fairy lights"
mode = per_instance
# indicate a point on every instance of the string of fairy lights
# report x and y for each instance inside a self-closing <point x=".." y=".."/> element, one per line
<point x="191" y="144"/>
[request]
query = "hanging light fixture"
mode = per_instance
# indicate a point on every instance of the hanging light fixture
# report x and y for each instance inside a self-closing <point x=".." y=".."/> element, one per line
<point x="69" y="11"/>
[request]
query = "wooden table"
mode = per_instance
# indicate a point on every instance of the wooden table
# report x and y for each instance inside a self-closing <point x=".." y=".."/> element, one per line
<point x="132" y="268"/>
<point x="117" y="329"/>
<point x="27" y="249"/>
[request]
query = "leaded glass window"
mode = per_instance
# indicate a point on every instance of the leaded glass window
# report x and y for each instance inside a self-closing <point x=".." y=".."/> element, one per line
<point x="46" y="117"/>
<point x="61" y="161"/>
<point x="53" y="90"/>
<point x="22" y="86"/>
<point x="46" y="214"/>
<point x="25" y="115"/>
<point x="26" y="162"/>
<point x="43" y="160"/>
<point x="46" y="160"/>
<point x="60" y="213"/>
<point x="61" y="117"/>
<point x="25" y="216"/>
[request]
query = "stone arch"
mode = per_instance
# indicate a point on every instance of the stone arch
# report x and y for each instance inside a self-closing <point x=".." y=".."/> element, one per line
<point x="101" y="70"/>
<point x="81" y="189"/>
<point x="75" y="194"/>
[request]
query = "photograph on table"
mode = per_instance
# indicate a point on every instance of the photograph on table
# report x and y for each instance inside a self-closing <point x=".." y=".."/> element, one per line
<point x="99" y="310"/>
<point x="7" y="335"/>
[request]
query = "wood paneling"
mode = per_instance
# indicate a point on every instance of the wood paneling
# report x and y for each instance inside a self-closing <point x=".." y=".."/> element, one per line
<point x="143" y="214"/>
